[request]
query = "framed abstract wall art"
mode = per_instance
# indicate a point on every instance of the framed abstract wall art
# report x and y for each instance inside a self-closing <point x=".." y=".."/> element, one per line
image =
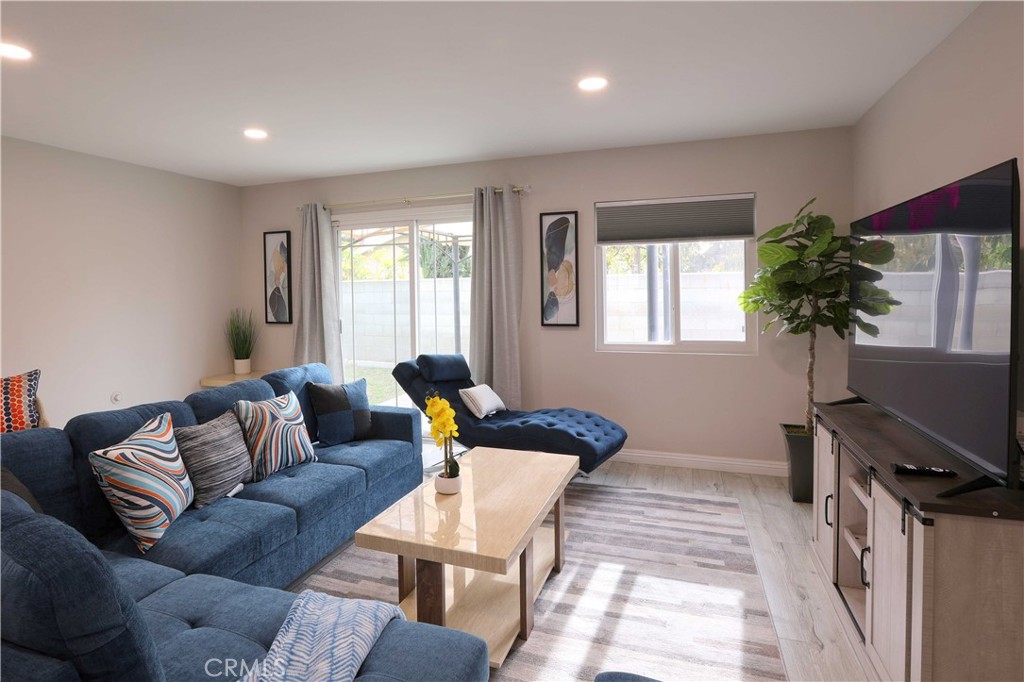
<point x="277" y="276"/>
<point x="560" y="303"/>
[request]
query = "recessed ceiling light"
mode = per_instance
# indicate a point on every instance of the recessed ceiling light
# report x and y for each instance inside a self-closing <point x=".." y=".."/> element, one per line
<point x="592" y="83"/>
<point x="255" y="134"/>
<point x="14" y="52"/>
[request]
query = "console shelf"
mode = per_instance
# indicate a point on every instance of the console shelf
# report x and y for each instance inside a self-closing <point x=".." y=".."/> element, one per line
<point x="860" y="491"/>
<point x="856" y="539"/>
<point x="928" y="588"/>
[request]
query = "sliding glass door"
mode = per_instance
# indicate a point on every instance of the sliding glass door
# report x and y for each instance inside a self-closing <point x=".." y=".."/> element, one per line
<point x="375" y="304"/>
<point x="405" y="290"/>
<point x="445" y="266"/>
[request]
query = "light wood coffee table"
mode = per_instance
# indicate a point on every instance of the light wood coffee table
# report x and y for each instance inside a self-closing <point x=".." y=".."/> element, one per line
<point x="480" y="532"/>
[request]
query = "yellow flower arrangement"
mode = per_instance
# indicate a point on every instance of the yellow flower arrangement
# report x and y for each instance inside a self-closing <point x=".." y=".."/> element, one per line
<point x="443" y="430"/>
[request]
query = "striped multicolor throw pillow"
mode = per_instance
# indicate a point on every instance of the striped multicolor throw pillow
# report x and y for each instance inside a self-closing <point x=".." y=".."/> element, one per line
<point x="145" y="480"/>
<point x="275" y="434"/>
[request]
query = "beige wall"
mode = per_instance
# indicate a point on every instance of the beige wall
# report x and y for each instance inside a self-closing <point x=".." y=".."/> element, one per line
<point x="115" y="277"/>
<point x="958" y="111"/>
<point x="725" y="406"/>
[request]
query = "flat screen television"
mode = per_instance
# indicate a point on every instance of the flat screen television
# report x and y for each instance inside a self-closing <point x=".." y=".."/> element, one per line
<point x="945" y="360"/>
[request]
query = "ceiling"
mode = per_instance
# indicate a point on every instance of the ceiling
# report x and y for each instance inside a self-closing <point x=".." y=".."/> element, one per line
<point x="356" y="87"/>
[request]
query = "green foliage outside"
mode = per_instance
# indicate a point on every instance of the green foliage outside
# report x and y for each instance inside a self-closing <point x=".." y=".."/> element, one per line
<point x="996" y="253"/>
<point x="625" y="260"/>
<point x="365" y="260"/>
<point x="697" y="256"/>
<point x="436" y="258"/>
<point x="804" y="283"/>
<point x="365" y="257"/>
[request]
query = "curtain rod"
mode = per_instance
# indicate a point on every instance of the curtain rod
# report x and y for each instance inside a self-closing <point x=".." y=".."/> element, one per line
<point x="518" y="189"/>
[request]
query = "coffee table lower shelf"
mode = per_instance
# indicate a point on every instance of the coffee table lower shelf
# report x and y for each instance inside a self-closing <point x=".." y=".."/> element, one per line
<point x="487" y="604"/>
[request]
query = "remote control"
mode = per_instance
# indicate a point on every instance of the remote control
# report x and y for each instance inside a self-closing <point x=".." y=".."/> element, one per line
<point x="915" y="470"/>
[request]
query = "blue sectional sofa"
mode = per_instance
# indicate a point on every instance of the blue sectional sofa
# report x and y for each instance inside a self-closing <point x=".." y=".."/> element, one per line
<point x="71" y="612"/>
<point x="268" y="535"/>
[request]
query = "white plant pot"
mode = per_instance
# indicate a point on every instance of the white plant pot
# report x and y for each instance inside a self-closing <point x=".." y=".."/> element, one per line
<point x="243" y="366"/>
<point x="447" y="486"/>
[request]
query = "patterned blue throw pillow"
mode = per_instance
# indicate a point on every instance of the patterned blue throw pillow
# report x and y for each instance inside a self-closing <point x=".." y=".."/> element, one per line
<point x="342" y="411"/>
<point x="275" y="434"/>
<point x="144" y="480"/>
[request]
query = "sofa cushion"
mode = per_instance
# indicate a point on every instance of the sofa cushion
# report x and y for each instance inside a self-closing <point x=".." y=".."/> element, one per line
<point x="314" y="490"/>
<point x="408" y="652"/>
<point x="140" y="577"/>
<point x="42" y="460"/>
<point x="275" y="434"/>
<point x="200" y="620"/>
<point x="99" y="430"/>
<point x="342" y="411"/>
<point x="61" y="599"/>
<point x="211" y="403"/>
<point x="18" y="402"/>
<point x="145" y="480"/>
<point x="220" y="539"/>
<point x="377" y="458"/>
<point x="216" y="457"/>
<point x="444" y="367"/>
<point x="294" y="379"/>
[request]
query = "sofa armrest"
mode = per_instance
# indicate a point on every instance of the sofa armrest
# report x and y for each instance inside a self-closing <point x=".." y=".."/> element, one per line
<point x="395" y="423"/>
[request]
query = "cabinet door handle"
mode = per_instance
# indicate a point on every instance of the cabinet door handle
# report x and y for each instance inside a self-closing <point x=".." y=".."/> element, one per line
<point x="827" y="498"/>
<point x="863" y="572"/>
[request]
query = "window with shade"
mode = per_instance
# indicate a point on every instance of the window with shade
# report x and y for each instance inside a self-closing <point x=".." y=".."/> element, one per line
<point x="670" y="271"/>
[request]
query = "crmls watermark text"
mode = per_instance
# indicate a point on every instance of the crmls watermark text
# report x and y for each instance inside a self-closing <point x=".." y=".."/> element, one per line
<point x="233" y="668"/>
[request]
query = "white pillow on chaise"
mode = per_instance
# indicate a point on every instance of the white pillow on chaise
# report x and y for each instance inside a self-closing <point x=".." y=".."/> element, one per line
<point x="481" y="400"/>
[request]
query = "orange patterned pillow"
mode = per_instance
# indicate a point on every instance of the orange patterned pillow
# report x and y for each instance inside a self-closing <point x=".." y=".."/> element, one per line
<point x="19" y="402"/>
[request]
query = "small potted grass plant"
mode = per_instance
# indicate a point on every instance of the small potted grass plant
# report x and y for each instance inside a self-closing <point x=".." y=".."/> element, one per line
<point x="444" y="430"/>
<point x="242" y="334"/>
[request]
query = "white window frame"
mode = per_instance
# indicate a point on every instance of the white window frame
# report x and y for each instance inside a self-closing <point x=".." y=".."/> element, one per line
<point x="675" y="345"/>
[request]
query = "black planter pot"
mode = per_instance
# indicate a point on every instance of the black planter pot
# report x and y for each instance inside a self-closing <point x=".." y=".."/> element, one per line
<point x="800" y="452"/>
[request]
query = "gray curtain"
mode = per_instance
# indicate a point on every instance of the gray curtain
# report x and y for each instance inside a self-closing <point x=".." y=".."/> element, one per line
<point x="317" y="317"/>
<point x="497" y="292"/>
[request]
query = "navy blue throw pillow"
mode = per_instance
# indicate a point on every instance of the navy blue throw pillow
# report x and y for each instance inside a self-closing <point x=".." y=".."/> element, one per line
<point x="342" y="411"/>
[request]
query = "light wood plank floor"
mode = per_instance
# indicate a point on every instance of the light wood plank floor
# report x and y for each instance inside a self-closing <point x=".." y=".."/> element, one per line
<point x="814" y="645"/>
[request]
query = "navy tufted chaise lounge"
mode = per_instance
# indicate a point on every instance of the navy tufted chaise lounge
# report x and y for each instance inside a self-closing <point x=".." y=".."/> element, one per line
<point x="562" y="430"/>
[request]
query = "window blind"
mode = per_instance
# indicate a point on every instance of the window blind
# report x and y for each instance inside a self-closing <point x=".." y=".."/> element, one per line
<point x="663" y="220"/>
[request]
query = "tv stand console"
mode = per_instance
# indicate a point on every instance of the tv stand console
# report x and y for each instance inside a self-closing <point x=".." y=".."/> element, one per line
<point x="928" y="587"/>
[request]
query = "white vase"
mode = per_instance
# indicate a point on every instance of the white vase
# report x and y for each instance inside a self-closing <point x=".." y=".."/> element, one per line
<point x="243" y="366"/>
<point x="447" y="486"/>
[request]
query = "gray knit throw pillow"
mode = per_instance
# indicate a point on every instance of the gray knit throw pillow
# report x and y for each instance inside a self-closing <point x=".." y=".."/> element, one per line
<point x="215" y="456"/>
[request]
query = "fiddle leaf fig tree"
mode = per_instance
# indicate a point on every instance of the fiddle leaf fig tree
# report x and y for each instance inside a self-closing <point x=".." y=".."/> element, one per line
<point x="804" y="283"/>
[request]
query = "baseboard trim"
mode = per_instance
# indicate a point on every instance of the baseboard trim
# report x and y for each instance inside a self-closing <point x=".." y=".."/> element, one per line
<point x="732" y="465"/>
